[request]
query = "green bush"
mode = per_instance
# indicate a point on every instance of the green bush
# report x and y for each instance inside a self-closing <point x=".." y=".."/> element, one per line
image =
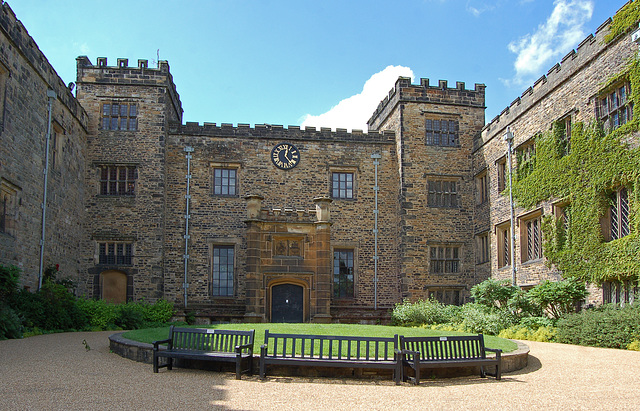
<point x="10" y="323"/>
<point x="493" y="293"/>
<point x="478" y="318"/>
<point x="132" y="315"/>
<point x="558" y="297"/>
<point x="9" y="279"/>
<point x="422" y="312"/>
<point x="520" y="332"/>
<point x="608" y="326"/>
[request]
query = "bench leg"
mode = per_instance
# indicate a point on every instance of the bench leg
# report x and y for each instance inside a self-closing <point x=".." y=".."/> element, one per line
<point x="238" y="367"/>
<point x="155" y="363"/>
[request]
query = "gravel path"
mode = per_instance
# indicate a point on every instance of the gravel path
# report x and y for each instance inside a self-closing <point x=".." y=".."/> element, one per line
<point x="56" y="372"/>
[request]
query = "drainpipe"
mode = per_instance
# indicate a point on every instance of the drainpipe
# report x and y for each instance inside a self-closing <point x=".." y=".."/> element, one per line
<point x="375" y="158"/>
<point x="187" y="217"/>
<point x="51" y="95"/>
<point x="509" y="139"/>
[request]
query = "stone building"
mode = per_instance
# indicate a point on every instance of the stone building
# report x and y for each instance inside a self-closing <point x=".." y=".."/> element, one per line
<point x="272" y="223"/>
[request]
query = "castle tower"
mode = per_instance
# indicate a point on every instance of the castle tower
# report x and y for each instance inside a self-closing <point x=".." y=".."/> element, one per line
<point x="129" y="110"/>
<point x="434" y="128"/>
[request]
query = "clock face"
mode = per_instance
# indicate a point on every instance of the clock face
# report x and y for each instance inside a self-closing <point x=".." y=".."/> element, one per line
<point x="285" y="156"/>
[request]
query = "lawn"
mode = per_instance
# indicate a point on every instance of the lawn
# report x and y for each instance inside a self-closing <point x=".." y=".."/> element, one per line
<point x="150" y="335"/>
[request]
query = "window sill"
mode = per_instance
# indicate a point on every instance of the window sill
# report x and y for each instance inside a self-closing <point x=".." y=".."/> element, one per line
<point x="534" y="261"/>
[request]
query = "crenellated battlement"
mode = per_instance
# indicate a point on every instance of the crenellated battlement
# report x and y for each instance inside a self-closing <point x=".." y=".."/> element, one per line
<point x="280" y="132"/>
<point x="404" y="91"/>
<point x="24" y="43"/>
<point x="123" y="74"/>
<point x="588" y="49"/>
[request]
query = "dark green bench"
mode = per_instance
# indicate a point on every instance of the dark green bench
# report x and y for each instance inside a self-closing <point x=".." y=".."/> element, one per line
<point x="301" y="350"/>
<point x="206" y="344"/>
<point x="444" y="352"/>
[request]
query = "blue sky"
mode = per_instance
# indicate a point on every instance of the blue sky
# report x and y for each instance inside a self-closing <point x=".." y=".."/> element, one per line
<point x="324" y="62"/>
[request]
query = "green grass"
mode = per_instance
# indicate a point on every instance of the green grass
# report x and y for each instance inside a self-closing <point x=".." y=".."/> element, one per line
<point x="150" y="335"/>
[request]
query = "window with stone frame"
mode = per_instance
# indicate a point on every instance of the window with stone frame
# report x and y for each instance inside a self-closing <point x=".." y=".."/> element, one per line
<point x="562" y="213"/>
<point x="343" y="273"/>
<point x="224" y="181"/>
<point x="615" y="222"/>
<point x="118" y="180"/>
<point x="531" y="237"/>
<point x="620" y="292"/>
<point x="503" y="235"/>
<point x="483" y="249"/>
<point x="525" y="158"/>
<point x="443" y="133"/>
<point x="482" y="187"/>
<point x="501" y="174"/>
<point x="444" y="259"/>
<point x="8" y="207"/>
<point x="118" y="116"/>
<point x="115" y="253"/>
<point x="442" y="193"/>
<point x="342" y="185"/>
<point x="613" y="107"/>
<point x="57" y="136"/>
<point x="446" y="295"/>
<point x="222" y="270"/>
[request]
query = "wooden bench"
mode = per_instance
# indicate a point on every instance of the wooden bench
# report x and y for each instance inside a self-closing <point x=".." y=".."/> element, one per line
<point x="330" y="351"/>
<point x="444" y="352"/>
<point x="206" y="344"/>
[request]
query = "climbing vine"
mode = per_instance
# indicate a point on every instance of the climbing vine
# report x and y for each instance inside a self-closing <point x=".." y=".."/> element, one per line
<point x="626" y="18"/>
<point x="582" y="176"/>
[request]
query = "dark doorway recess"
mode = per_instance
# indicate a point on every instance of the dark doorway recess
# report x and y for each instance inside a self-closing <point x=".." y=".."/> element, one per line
<point x="287" y="303"/>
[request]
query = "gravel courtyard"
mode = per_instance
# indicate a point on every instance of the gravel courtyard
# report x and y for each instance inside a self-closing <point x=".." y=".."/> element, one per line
<point x="56" y="372"/>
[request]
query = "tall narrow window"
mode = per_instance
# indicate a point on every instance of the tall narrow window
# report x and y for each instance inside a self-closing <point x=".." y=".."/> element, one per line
<point x="504" y="245"/>
<point x="224" y="181"/>
<point x="343" y="274"/>
<point x="530" y="235"/>
<point x="619" y="214"/>
<point x="8" y="207"/>
<point x="118" y="180"/>
<point x="482" y="248"/>
<point x="501" y="165"/>
<point x="342" y="185"/>
<point x="444" y="259"/>
<point x="482" y="187"/>
<point x="222" y="271"/>
<point x="119" y="116"/>
<point x="442" y="193"/>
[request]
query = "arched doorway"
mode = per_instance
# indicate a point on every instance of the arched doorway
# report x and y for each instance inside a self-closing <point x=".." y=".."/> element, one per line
<point x="287" y="303"/>
<point x="113" y="286"/>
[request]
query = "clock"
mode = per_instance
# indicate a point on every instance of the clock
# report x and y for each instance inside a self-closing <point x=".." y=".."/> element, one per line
<point x="285" y="156"/>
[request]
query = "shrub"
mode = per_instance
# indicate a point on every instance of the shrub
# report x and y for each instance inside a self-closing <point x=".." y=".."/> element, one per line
<point x="608" y="326"/>
<point x="10" y="323"/>
<point x="160" y="312"/>
<point x="132" y="315"/>
<point x="634" y="345"/>
<point x="558" y="297"/>
<point x="520" y="332"/>
<point x="493" y="293"/>
<point x="9" y="278"/>
<point x="421" y="312"/>
<point x="478" y="318"/>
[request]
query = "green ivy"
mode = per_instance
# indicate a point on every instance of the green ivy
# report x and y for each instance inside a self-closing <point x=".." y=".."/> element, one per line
<point x="584" y="174"/>
<point x="626" y="18"/>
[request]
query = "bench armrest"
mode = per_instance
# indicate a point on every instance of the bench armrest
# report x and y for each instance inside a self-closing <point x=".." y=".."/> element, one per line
<point x="409" y="352"/>
<point x="495" y="350"/>
<point x="239" y="348"/>
<point x="157" y="343"/>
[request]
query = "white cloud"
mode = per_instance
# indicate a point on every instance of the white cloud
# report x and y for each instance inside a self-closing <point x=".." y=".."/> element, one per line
<point x="353" y="112"/>
<point x="83" y="48"/>
<point x="560" y="33"/>
<point x="481" y="7"/>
